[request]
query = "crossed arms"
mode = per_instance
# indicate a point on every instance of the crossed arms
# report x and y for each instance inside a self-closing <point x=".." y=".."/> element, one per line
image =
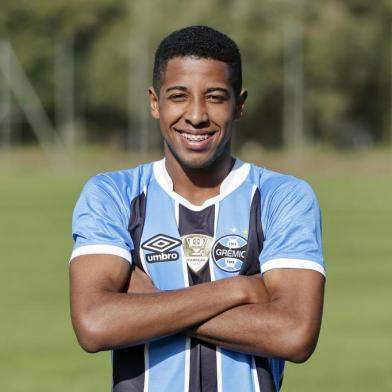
<point x="278" y="315"/>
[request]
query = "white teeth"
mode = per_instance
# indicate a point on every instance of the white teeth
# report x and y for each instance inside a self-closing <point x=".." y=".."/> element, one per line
<point x="195" y="138"/>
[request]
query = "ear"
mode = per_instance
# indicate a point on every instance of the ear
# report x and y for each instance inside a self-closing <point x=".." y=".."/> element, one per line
<point x="154" y="102"/>
<point x="240" y="103"/>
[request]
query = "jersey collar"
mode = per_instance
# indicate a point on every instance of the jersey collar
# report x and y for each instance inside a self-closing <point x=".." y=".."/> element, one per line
<point x="233" y="180"/>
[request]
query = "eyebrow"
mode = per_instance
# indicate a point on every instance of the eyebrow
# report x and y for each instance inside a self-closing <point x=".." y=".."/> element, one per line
<point x="182" y="88"/>
<point x="223" y="90"/>
<point x="209" y="90"/>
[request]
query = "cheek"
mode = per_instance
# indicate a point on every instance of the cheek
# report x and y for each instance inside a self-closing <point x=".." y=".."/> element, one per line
<point x="169" y="116"/>
<point x="224" y="120"/>
<point x="223" y="115"/>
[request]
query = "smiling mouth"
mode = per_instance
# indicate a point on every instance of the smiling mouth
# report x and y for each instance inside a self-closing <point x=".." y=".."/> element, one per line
<point x="195" y="138"/>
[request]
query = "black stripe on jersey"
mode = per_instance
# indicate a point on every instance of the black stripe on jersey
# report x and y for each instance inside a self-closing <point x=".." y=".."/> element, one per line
<point x="135" y="227"/>
<point x="264" y="375"/>
<point x="203" y="377"/>
<point x="200" y="222"/>
<point x="197" y="222"/>
<point x="251" y="264"/>
<point x="281" y="381"/>
<point x="128" y="369"/>
<point x="128" y="363"/>
<point x="202" y="372"/>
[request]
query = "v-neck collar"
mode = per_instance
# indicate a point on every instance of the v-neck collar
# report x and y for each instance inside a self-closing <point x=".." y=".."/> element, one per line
<point x="233" y="180"/>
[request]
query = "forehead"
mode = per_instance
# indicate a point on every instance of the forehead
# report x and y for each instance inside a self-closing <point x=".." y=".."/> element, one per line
<point x="191" y="71"/>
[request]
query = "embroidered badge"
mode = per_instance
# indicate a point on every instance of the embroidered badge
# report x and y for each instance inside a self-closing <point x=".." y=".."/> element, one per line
<point x="197" y="248"/>
<point x="229" y="252"/>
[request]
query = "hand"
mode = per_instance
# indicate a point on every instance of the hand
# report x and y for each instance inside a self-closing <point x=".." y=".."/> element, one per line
<point x="140" y="282"/>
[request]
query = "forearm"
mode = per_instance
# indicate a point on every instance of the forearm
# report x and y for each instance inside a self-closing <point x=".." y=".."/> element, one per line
<point x="260" y="329"/>
<point x="115" y="319"/>
<point x="285" y="325"/>
<point x="237" y="327"/>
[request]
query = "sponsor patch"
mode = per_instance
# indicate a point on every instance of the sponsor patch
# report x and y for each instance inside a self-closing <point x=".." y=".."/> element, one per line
<point x="161" y="247"/>
<point x="197" y="249"/>
<point x="229" y="252"/>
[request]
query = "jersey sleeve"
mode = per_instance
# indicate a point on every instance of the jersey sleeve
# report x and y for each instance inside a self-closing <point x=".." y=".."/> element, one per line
<point x="100" y="221"/>
<point x="291" y="221"/>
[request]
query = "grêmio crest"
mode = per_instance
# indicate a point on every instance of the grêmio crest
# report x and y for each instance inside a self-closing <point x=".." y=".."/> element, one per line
<point x="229" y="252"/>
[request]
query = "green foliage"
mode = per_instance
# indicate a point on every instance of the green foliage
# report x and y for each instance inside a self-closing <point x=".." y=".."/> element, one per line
<point x="346" y="56"/>
<point x="343" y="60"/>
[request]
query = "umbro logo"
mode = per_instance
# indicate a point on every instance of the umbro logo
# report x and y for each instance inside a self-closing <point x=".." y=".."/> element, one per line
<point x="161" y="243"/>
<point x="161" y="247"/>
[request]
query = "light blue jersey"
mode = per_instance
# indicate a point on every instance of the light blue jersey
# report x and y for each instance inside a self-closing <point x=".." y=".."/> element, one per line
<point x="261" y="220"/>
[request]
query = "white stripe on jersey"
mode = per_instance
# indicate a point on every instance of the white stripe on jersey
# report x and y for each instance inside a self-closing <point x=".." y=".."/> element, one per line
<point x="292" y="263"/>
<point x="101" y="249"/>
<point x="187" y="364"/>
<point x="146" y="367"/>
<point x="219" y="368"/>
<point x="254" y="374"/>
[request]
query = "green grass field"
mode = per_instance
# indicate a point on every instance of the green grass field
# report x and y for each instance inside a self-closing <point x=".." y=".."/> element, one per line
<point x="39" y="351"/>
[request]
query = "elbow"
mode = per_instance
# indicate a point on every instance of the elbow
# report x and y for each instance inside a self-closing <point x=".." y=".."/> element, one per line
<point x="300" y="355"/>
<point x="301" y="345"/>
<point x="88" y="344"/>
<point x="89" y="334"/>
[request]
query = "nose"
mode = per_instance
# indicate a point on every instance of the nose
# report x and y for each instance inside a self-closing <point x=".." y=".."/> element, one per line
<point x="197" y="113"/>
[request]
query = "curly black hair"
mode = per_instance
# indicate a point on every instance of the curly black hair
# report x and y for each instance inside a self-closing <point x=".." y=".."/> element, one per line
<point x="200" y="42"/>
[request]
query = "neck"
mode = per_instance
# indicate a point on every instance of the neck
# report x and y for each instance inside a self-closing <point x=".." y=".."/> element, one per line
<point x="198" y="184"/>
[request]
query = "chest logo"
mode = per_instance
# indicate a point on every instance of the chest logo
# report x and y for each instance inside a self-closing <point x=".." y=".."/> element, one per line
<point x="197" y="248"/>
<point x="229" y="252"/>
<point x="161" y="247"/>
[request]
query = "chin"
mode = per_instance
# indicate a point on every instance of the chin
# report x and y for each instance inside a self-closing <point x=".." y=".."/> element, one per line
<point x="200" y="160"/>
<point x="196" y="163"/>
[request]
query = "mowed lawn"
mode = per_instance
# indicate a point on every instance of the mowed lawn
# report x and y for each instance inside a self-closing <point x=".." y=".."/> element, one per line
<point x="39" y="351"/>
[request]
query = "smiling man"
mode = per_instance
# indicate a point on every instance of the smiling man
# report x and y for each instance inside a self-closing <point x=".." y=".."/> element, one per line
<point x="200" y="272"/>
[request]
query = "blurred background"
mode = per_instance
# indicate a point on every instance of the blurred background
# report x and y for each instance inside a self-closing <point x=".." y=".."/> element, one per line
<point x="73" y="82"/>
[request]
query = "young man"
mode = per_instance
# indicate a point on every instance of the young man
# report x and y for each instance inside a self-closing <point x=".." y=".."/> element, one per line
<point x="199" y="271"/>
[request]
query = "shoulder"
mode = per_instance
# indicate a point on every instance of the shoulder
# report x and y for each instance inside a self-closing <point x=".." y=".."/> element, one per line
<point x="275" y="186"/>
<point x="291" y="221"/>
<point x="123" y="184"/>
<point x="102" y="213"/>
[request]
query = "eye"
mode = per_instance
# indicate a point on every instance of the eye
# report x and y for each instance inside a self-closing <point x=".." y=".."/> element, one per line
<point x="177" y="97"/>
<point x="216" y="98"/>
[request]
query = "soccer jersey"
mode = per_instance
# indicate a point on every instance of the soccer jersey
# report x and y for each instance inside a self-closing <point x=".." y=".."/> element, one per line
<point x="260" y="220"/>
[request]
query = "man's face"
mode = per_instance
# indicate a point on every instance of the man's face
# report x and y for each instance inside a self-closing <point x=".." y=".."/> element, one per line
<point x="196" y="108"/>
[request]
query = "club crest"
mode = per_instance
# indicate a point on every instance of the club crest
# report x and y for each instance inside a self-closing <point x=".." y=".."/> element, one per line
<point x="229" y="252"/>
<point x="197" y="249"/>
